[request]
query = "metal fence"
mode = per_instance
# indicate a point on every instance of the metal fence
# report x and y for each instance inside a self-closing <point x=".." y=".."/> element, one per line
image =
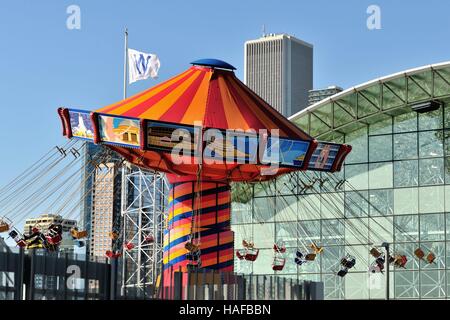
<point x="39" y="275"/>
<point x="210" y="285"/>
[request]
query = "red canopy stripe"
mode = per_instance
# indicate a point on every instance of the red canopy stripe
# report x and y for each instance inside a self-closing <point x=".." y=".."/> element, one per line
<point x="115" y="107"/>
<point x="176" y="112"/>
<point x="137" y="110"/>
<point x="281" y="122"/>
<point x="253" y="116"/>
<point x="156" y="110"/>
<point x="255" y="108"/>
<point x="197" y="108"/>
<point x="233" y="113"/>
<point x="215" y="113"/>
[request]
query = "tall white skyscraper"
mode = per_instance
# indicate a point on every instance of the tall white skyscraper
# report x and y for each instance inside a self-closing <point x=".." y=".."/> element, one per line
<point x="279" y="68"/>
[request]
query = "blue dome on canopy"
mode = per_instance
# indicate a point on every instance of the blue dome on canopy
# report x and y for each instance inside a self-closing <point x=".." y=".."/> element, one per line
<point x="215" y="63"/>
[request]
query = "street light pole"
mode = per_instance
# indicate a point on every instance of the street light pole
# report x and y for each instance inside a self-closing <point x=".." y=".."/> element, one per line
<point x="386" y="263"/>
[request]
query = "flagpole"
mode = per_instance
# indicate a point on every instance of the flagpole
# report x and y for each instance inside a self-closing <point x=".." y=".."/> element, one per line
<point x="125" y="71"/>
<point x="125" y="65"/>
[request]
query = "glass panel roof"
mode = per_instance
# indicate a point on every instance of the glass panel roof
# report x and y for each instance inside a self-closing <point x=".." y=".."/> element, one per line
<point x="318" y="126"/>
<point x="394" y="93"/>
<point x="366" y="104"/>
<point x="325" y="114"/>
<point x="369" y="101"/>
<point x="303" y="123"/>
<point x="419" y="87"/>
<point x="441" y="82"/>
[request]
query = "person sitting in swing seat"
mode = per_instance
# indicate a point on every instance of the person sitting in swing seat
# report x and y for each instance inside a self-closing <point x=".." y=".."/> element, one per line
<point x="54" y="234"/>
<point x="299" y="259"/>
<point x="316" y="248"/>
<point x="431" y="257"/>
<point x="191" y="247"/>
<point x="248" y="244"/>
<point x="35" y="239"/>
<point x="400" y="261"/>
<point x="348" y="262"/>
<point x="380" y="262"/>
<point x="279" y="247"/>
<point x="375" y="253"/>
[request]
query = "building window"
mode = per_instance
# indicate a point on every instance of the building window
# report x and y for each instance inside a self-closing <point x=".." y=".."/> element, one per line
<point x="430" y="144"/>
<point x="380" y="175"/>
<point x="405" y="146"/>
<point x="406" y="173"/>
<point x="357" y="176"/>
<point x="380" y="148"/>
<point x="431" y="171"/>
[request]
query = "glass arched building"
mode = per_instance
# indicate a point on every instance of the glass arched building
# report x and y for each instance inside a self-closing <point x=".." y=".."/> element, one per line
<point x="394" y="187"/>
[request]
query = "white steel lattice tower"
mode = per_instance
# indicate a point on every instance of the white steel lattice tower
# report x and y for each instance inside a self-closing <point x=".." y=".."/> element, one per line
<point x="144" y="201"/>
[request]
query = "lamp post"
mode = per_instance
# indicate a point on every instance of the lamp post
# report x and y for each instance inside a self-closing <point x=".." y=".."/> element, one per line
<point x="385" y="245"/>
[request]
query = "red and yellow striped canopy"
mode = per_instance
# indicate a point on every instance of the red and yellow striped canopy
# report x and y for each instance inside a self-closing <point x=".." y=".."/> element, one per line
<point x="214" y="97"/>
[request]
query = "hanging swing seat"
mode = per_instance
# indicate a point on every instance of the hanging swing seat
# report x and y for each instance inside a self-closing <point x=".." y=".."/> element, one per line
<point x="378" y="265"/>
<point x="419" y="253"/>
<point x="380" y="262"/>
<point x="128" y="246"/>
<point x="21" y="243"/>
<point x="112" y="255"/>
<point x="240" y="254"/>
<point x="375" y="253"/>
<point x="53" y="236"/>
<point x="54" y="239"/>
<point x="193" y="266"/>
<point x="299" y="261"/>
<point x="348" y="262"/>
<point x="400" y="261"/>
<point x="5" y="225"/>
<point x="193" y="256"/>
<point x="149" y="239"/>
<point x="342" y="273"/>
<point x="76" y="234"/>
<point x="375" y="268"/>
<point x="38" y="245"/>
<point x="278" y="263"/>
<point x="114" y="235"/>
<point x="310" y="257"/>
<point x="316" y="248"/>
<point x="431" y="257"/>
<point x="251" y="254"/>
<point x="17" y="239"/>
<point x="79" y="244"/>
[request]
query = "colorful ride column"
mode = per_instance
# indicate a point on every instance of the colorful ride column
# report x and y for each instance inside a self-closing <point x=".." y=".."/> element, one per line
<point x="201" y="209"/>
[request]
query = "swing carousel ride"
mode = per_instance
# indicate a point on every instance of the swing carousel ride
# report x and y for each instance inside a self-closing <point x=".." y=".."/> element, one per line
<point x="204" y="129"/>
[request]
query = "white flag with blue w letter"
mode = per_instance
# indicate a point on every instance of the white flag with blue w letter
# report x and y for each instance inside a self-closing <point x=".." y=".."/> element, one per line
<point x="142" y="65"/>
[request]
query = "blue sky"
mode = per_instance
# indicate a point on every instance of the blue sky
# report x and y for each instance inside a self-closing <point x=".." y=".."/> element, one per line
<point x="43" y="65"/>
